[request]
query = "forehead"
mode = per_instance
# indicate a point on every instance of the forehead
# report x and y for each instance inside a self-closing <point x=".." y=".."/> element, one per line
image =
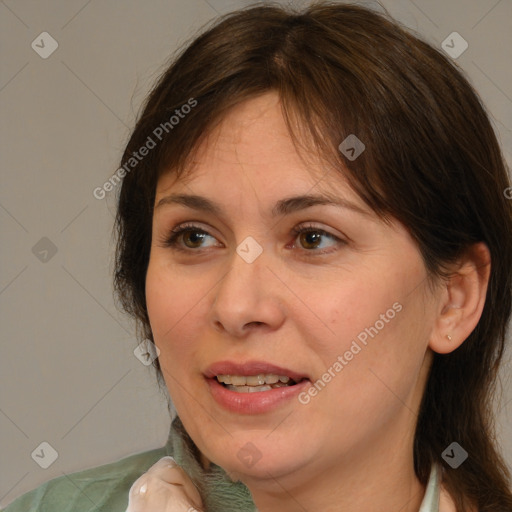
<point x="252" y="142"/>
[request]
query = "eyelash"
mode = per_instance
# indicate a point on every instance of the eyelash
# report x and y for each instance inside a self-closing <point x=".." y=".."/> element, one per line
<point x="172" y="240"/>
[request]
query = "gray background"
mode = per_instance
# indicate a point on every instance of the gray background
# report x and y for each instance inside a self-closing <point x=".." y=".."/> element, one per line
<point x="69" y="375"/>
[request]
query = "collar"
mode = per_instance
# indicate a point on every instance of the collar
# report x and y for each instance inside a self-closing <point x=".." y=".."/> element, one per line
<point x="430" y="501"/>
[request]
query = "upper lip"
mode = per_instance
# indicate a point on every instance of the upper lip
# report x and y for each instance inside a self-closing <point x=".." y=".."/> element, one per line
<point x="251" y="368"/>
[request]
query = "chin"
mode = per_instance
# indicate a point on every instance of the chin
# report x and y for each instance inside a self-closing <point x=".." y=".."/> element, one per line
<point x="256" y="457"/>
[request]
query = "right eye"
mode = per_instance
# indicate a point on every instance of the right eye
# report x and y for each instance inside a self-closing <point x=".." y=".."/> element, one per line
<point x="186" y="237"/>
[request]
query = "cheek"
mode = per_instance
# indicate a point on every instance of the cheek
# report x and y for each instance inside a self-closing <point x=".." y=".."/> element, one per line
<point x="174" y="307"/>
<point x="357" y="305"/>
<point x="171" y="297"/>
<point x="372" y="321"/>
<point x="380" y="362"/>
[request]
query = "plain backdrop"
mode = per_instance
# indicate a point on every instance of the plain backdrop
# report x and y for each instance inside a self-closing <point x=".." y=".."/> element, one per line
<point x="69" y="374"/>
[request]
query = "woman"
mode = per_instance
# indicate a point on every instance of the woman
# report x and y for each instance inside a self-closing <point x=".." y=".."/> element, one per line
<point x="313" y="231"/>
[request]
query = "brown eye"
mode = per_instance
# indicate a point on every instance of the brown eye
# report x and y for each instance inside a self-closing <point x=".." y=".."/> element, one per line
<point x="310" y="240"/>
<point x="313" y="239"/>
<point x="193" y="239"/>
<point x="187" y="238"/>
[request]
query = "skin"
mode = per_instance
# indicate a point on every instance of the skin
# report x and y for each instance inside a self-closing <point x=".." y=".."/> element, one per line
<point x="300" y="305"/>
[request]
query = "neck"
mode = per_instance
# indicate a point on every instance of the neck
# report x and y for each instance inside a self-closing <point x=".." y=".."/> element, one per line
<point x="375" y="477"/>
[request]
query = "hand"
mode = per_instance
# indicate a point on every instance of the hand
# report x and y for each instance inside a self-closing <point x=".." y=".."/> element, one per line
<point x="165" y="487"/>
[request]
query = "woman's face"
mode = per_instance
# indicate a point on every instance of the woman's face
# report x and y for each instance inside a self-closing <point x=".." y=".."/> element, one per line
<point x="342" y="309"/>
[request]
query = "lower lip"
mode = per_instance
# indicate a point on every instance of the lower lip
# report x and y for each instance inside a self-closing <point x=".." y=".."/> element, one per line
<point x="254" y="403"/>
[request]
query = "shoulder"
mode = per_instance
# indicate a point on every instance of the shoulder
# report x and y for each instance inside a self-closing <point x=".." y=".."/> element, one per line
<point x="101" y="488"/>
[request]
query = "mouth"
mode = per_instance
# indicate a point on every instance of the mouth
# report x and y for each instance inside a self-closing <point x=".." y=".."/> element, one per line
<point x="254" y="387"/>
<point x="255" y="383"/>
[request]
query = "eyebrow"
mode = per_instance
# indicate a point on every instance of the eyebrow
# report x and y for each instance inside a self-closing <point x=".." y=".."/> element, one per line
<point x="281" y="208"/>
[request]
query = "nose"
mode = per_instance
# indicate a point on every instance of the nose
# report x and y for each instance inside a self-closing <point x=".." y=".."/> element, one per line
<point x="248" y="297"/>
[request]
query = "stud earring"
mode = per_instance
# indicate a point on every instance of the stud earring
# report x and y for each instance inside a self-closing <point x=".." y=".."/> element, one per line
<point x="449" y="337"/>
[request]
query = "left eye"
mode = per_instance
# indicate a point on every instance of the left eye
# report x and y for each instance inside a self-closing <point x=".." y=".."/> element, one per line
<point x="311" y="237"/>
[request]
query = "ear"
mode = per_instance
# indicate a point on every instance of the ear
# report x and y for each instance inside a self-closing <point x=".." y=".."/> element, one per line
<point x="462" y="300"/>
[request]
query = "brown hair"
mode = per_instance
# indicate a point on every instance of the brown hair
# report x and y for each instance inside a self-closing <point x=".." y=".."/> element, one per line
<point x="432" y="161"/>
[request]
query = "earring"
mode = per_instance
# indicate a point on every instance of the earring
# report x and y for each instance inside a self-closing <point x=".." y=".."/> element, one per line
<point x="449" y="337"/>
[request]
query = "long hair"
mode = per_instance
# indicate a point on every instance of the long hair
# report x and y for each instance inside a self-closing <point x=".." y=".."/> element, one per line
<point x="432" y="161"/>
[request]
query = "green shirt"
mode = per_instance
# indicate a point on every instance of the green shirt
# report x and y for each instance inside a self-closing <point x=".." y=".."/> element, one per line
<point x="105" y="488"/>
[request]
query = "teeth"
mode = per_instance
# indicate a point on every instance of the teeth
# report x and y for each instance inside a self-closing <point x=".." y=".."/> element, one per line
<point x="249" y="389"/>
<point x="255" y="389"/>
<point x="254" y="380"/>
